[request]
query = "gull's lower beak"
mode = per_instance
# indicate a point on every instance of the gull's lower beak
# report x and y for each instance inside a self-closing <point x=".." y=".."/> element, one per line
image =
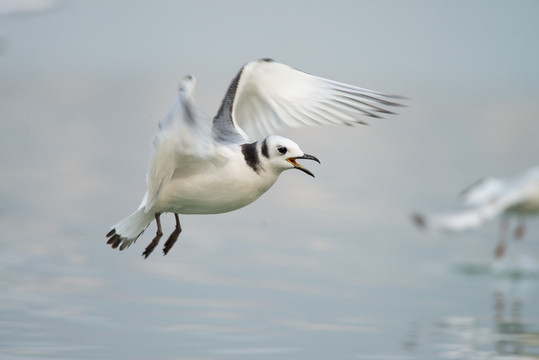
<point x="292" y="161"/>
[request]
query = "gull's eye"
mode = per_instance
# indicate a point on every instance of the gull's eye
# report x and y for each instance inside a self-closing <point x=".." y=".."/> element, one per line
<point x="282" y="149"/>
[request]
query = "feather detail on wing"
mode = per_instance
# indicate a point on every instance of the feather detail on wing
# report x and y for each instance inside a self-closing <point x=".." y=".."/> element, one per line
<point x="184" y="135"/>
<point x="267" y="96"/>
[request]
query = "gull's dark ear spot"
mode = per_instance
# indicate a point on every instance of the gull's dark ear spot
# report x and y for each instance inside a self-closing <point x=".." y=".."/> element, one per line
<point x="264" y="149"/>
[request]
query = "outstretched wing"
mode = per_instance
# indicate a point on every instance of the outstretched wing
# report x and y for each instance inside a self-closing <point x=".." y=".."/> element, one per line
<point x="266" y="96"/>
<point x="503" y="193"/>
<point x="486" y="199"/>
<point x="457" y="221"/>
<point x="183" y="139"/>
<point x="483" y="191"/>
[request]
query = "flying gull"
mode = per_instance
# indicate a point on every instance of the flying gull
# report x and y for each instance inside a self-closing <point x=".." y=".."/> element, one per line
<point x="517" y="197"/>
<point x="196" y="168"/>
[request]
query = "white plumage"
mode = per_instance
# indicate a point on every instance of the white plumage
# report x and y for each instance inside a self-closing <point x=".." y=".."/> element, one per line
<point x="488" y="198"/>
<point x="202" y="168"/>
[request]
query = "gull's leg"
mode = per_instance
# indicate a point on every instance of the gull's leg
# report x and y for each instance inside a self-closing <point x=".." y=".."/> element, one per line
<point x="174" y="236"/>
<point x="520" y="229"/>
<point x="502" y="243"/>
<point x="156" y="239"/>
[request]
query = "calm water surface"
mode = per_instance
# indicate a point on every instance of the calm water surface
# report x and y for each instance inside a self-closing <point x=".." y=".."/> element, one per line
<point x="325" y="268"/>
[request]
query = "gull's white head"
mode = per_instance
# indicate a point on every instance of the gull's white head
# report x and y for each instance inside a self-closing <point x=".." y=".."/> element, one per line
<point x="282" y="153"/>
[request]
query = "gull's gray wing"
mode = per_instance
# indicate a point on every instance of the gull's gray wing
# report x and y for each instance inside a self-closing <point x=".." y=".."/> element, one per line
<point x="266" y="96"/>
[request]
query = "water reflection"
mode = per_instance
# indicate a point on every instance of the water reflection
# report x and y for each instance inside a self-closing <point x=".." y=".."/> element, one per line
<point x="513" y="291"/>
<point x="510" y="332"/>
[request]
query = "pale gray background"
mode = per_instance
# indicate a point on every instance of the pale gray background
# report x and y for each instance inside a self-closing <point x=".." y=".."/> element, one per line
<point x="325" y="268"/>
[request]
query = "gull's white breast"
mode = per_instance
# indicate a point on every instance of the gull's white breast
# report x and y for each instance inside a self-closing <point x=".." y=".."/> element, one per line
<point x="215" y="187"/>
<point x="530" y="205"/>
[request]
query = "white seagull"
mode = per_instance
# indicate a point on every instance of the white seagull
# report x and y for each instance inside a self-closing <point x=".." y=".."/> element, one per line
<point x="488" y="198"/>
<point x="196" y="168"/>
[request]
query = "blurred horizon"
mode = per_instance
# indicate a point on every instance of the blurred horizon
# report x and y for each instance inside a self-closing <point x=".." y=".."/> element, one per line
<point x="322" y="268"/>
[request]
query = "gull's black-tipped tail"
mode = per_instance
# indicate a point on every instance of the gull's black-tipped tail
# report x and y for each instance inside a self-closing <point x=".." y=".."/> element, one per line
<point x="127" y="231"/>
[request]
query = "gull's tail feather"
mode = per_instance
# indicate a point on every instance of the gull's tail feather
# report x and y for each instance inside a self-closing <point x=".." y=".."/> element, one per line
<point x="127" y="231"/>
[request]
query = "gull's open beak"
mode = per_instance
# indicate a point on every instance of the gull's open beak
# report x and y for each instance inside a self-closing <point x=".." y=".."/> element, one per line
<point x="292" y="161"/>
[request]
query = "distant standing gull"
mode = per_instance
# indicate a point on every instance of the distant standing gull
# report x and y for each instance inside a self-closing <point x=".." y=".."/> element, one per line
<point x="198" y="169"/>
<point x="488" y="198"/>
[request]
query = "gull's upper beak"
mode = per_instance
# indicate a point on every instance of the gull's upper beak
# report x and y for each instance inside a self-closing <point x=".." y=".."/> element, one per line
<point x="292" y="161"/>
